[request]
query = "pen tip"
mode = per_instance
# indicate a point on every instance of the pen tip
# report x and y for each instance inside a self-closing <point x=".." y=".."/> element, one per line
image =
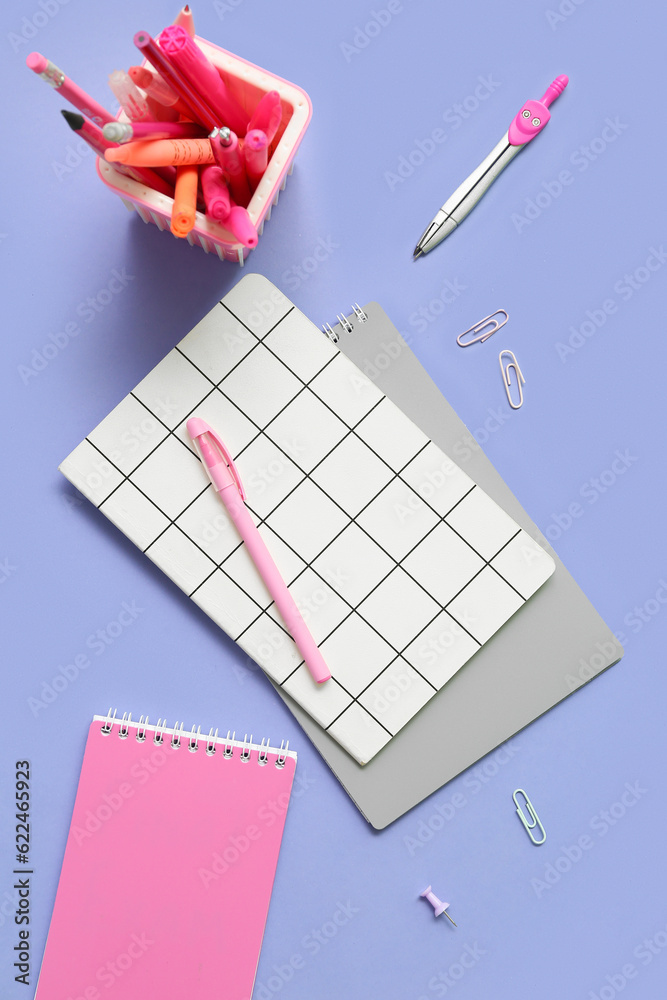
<point x="74" y="121"/>
<point x="417" y="252"/>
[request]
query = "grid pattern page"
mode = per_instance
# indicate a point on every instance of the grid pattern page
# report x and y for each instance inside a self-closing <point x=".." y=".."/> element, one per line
<point x="401" y="566"/>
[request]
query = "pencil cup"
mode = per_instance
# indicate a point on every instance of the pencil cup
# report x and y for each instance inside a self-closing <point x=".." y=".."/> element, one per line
<point x="247" y="83"/>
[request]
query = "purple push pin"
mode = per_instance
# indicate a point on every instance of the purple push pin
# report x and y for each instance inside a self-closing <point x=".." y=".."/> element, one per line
<point x="436" y="903"/>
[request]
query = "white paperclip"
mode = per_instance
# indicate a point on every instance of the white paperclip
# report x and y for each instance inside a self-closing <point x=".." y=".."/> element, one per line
<point x="480" y="329"/>
<point x="505" y="371"/>
<point x="532" y="821"/>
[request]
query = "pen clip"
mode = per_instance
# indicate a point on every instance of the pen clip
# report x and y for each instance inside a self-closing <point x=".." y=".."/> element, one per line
<point x="197" y="428"/>
<point x="228" y="459"/>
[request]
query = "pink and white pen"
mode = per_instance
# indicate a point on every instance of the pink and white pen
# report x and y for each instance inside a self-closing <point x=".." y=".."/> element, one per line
<point x="227" y="483"/>
<point x="528" y="122"/>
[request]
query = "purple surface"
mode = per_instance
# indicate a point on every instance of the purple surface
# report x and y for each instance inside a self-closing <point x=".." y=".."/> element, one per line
<point x="346" y="898"/>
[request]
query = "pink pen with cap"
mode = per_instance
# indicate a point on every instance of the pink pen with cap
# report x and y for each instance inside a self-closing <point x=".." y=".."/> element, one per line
<point x="67" y="88"/>
<point x="227" y="483"/>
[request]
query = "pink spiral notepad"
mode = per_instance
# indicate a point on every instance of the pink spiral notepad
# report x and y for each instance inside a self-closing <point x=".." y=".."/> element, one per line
<point x="169" y="865"/>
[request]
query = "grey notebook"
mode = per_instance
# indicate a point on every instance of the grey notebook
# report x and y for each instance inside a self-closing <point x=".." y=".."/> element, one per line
<point x="554" y="644"/>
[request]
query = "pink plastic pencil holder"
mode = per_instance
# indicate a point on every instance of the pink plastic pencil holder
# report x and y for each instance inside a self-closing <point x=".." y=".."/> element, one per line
<point x="248" y="83"/>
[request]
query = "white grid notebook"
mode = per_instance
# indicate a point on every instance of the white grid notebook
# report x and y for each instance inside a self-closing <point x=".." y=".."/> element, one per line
<point x="401" y="565"/>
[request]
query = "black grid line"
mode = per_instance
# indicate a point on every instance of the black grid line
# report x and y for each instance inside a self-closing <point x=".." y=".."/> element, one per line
<point x="351" y="430"/>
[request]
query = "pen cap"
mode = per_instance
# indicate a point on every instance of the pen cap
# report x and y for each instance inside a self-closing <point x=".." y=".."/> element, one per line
<point x="128" y="95"/>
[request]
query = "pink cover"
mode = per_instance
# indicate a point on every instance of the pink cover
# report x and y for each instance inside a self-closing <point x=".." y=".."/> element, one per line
<point x="168" y="870"/>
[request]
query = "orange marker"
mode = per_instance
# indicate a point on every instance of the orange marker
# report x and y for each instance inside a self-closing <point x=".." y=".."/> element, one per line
<point x="162" y="152"/>
<point x="185" y="200"/>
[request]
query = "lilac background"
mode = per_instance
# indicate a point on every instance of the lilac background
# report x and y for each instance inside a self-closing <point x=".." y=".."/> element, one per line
<point x="67" y="570"/>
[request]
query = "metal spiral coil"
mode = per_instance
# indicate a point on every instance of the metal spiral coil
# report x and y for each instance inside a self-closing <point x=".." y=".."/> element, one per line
<point x="176" y="738"/>
<point x="345" y="323"/>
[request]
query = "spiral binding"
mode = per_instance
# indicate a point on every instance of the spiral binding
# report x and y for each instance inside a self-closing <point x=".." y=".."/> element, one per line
<point x="345" y="323"/>
<point x="194" y="741"/>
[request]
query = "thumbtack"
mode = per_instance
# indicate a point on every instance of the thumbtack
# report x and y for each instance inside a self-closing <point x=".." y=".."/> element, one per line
<point x="436" y="903"/>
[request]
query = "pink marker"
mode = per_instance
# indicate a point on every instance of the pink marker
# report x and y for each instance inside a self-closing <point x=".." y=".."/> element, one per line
<point x="67" y="88"/>
<point x="162" y="181"/>
<point x="225" y="146"/>
<point x="255" y="154"/>
<point x="198" y="108"/>
<point x="216" y="192"/>
<point x="184" y="53"/>
<point x="227" y="483"/>
<point x="267" y="115"/>
<point x="240" y="225"/>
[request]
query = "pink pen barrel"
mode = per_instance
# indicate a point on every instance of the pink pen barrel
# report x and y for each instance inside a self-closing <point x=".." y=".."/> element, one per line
<point x="267" y="115"/>
<point x="275" y="584"/>
<point x="216" y="192"/>
<point x="197" y="105"/>
<point x="184" y="53"/>
<point x="227" y="154"/>
<point x="255" y="155"/>
<point x="68" y="89"/>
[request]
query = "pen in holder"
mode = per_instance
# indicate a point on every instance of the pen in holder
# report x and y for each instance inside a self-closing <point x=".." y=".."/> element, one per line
<point x="247" y="84"/>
